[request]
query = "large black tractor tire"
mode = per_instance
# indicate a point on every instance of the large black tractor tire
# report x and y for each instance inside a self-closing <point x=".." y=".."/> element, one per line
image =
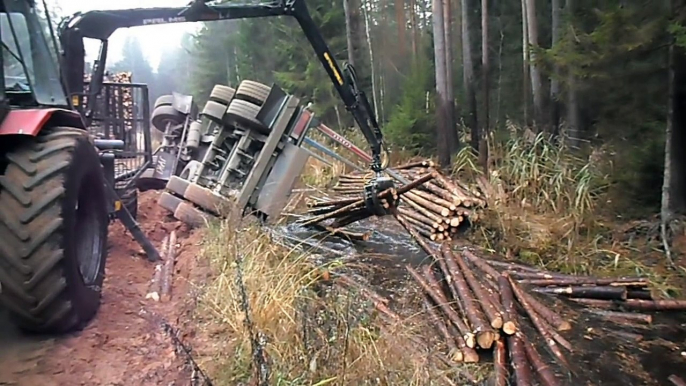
<point x="53" y="232"/>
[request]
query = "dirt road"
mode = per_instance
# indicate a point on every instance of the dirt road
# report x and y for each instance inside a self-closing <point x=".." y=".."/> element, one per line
<point x="123" y="345"/>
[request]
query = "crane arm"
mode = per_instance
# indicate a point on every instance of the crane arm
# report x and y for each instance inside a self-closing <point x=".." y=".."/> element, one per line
<point x="101" y="24"/>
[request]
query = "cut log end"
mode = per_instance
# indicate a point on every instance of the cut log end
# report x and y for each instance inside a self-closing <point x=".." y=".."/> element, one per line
<point x="470" y="340"/>
<point x="497" y="322"/>
<point x="509" y="327"/>
<point x="564" y="326"/>
<point x="485" y="339"/>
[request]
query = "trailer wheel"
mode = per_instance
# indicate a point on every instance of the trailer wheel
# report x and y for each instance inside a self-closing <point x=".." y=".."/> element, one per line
<point x="177" y="185"/>
<point x="222" y="94"/>
<point x="245" y="113"/>
<point x="254" y="92"/>
<point x="164" y="100"/>
<point x="183" y="211"/>
<point x="214" y="111"/>
<point x="207" y="200"/>
<point x="53" y="227"/>
<point x="164" y="115"/>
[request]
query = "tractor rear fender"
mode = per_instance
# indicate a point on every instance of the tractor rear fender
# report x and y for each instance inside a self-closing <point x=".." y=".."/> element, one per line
<point x="31" y="121"/>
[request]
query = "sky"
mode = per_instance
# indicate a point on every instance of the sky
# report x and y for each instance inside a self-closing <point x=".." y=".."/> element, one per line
<point x="154" y="40"/>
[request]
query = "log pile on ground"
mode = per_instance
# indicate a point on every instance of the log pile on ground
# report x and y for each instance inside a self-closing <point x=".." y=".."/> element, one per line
<point x="435" y="206"/>
<point x="477" y="303"/>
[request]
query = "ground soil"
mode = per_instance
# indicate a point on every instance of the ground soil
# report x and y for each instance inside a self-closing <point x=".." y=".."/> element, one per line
<point x="125" y="344"/>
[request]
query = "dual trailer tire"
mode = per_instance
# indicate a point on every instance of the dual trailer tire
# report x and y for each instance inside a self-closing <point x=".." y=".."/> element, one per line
<point x="53" y="227"/>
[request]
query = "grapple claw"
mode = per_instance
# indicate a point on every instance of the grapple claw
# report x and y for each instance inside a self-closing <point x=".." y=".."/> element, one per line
<point x="371" y="195"/>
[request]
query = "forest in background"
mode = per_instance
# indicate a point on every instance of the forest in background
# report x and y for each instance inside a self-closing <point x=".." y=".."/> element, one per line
<point x="604" y="80"/>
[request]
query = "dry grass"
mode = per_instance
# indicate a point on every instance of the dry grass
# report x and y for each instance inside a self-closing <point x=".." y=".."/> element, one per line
<point x="550" y="210"/>
<point x="315" y="334"/>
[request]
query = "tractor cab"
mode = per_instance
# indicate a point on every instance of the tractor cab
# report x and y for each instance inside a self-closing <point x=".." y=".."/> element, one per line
<point x="29" y="67"/>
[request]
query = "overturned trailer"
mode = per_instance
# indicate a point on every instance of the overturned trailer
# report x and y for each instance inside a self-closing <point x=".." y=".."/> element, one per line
<point x="252" y="159"/>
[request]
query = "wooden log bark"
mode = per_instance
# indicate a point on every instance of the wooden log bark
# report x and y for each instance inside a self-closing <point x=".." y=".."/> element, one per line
<point x="447" y="276"/>
<point x="415" y="164"/>
<point x="541" y="367"/>
<point x="622" y="317"/>
<point x="438" y="209"/>
<point x="507" y="298"/>
<point x="456" y="264"/>
<point x="168" y="269"/>
<point x="155" y="287"/>
<point x="442" y="193"/>
<point x="454" y="343"/>
<point x="500" y="363"/>
<point x="551" y="337"/>
<point x="484" y="333"/>
<point x="676" y="381"/>
<point x="637" y="304"/>
<point x="587" y="292"/>
<point x="434" y="292"/>
<point x="427" y="229"/>
<point x="520" y="363"/>
<point x="407" y="212"/>
<point x="435" y="199"/>
<point x="513" y="267"/>
<point x="577" y="281"/>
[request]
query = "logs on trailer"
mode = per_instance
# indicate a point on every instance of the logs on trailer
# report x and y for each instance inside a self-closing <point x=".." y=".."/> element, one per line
<point x="436" y="207"/>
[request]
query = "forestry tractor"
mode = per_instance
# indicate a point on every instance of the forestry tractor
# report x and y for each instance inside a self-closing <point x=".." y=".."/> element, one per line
<point x="56" y="199"/>
<point x="58" y="181"/>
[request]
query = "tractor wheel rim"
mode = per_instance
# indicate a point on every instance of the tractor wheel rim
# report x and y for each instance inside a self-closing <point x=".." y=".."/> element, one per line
<point x="87" y="232"/>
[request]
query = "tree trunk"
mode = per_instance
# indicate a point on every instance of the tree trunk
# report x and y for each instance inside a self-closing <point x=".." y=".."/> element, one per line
<point x="536" y="84"/>
<point x="371" y="59"/>
<point x="415" y="29"/>
<point x="554" y="81"/>
<point x="483" y="144"/>
<point x="573" y="128"/>
<point x="674" y="179"/>
<point x="400" y="24"/>
<point x="442" y="143"/>
<point x="349" y="31"/>
<point x="453" y="138"/>
<point x="525" y="64"/>
<point x="468" y="75"/>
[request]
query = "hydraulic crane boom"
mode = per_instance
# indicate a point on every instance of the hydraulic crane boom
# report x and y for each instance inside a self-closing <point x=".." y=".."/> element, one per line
<point x="101" y="24"/>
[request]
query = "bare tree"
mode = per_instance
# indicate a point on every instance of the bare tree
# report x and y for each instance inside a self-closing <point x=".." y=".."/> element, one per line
<point x="349" y="34"/>
<point x="674" y="179"/>
<point x="468" y="75"/>
<point x="572" y="103"/>
<point x="415" y="28"/>
<point x="372" y="63"/>
<point x="525" y="64"/>
<point x="442" y="139"/>
<point x="453" y="138"/>
<point x="536" y="84"/>
<point x="483" y="144"/>
<point x="554" y="81"/>
<point x="400" y="24"/>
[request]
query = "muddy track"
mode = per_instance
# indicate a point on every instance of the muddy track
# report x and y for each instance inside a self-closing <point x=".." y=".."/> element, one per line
<point x="123" y="345"/>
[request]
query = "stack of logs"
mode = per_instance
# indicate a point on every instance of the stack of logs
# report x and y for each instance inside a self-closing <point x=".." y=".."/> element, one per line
<point x="435" y="206"/>
<point x="123" y="94"/>
<point x="481" y="303"/>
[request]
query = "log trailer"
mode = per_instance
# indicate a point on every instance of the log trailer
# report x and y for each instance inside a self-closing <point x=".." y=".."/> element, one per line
<point x="56" y="199"/>
<point x="245" y="151"/>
